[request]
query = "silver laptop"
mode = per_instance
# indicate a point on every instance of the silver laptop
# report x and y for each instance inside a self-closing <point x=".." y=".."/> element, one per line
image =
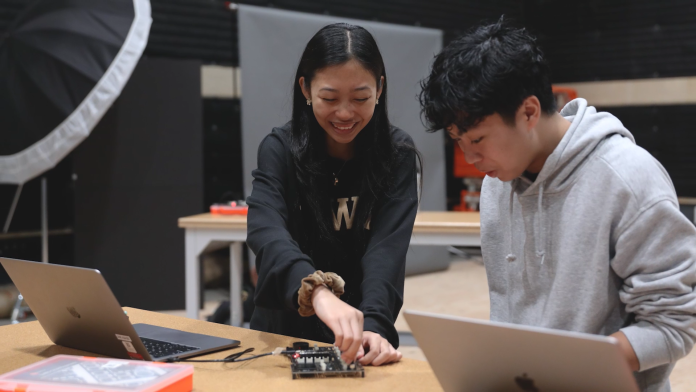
<point x="477" y="355"/>
<point x="77" y="309"/>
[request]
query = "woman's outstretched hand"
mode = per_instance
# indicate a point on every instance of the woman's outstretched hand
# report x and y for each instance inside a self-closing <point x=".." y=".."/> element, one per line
<point x="380" y="351"/>
<point x="345" y="321"/>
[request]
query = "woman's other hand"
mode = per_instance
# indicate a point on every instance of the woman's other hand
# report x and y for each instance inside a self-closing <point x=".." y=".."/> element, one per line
<point x="345" y="321"/>
<point x="380" y="351"/>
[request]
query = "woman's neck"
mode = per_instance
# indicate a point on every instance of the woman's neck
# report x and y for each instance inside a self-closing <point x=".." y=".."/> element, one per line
<point x="339" y="150"/>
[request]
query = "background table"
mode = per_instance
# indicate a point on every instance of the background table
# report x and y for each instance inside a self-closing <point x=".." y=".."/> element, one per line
<point x="208" y="232"/>
<point x="27" y="343"/>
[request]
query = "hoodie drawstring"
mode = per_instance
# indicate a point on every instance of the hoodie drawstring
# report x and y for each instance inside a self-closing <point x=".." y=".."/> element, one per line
<point x="511" y="256"/>
<point x="539" y="231"/>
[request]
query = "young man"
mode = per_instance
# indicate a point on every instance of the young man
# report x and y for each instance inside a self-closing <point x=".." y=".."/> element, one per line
<point x="580" y="228"/>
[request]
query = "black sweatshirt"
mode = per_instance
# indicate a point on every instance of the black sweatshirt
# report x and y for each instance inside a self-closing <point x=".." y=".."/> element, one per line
<point x="374" y="278"/>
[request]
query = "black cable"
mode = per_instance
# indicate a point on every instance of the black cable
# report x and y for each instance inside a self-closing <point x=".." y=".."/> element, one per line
<point x="230" y="358"/>
<point x="254" y="357"/>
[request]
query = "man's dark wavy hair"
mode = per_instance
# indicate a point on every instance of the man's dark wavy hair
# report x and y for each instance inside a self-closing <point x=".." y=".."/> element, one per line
<point x="491" y="69"/>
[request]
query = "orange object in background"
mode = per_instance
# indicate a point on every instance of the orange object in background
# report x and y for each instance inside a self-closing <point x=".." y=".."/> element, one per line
<point x="463" y="169"/>
<point x="231" y="208"/>
<point x="563" y="95"/>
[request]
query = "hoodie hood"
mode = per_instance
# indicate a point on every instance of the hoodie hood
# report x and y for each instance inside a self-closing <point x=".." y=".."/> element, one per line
<point x="588" y="130"/>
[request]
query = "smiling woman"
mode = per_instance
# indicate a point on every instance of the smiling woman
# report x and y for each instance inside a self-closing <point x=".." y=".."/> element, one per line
<point x="345" y="98"/>
<point x="333" y="203"/>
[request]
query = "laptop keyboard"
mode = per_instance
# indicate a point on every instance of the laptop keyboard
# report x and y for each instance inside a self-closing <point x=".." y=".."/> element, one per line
<point x="159" y="349"/>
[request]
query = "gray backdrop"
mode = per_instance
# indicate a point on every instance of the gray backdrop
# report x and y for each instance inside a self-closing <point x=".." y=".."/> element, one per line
<point x="270" y="45"/>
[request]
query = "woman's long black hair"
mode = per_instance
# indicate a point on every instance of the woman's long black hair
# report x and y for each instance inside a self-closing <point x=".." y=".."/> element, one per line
<point x="375" y="149"/>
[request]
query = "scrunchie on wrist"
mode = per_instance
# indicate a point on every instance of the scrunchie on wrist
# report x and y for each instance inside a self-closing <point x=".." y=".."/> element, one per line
<point x="304" y="296"/>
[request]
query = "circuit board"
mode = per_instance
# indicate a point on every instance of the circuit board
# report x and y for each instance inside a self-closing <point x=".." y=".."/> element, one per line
<point x="323" y="362"/>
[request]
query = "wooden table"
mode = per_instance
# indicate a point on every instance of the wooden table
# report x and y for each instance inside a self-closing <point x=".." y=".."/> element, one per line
<point x="447" y="228"/>
<point x="27" y="343"/>
<point x="208" y="232"/>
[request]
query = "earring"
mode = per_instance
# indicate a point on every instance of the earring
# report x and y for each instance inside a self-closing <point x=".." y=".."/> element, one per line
<point x="377" y="101"/>
<point x="309" y="102"/>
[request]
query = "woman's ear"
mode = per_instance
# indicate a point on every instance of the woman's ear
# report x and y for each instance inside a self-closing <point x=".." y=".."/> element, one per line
<point x="306" y="93"/>
<point x="380" y="87"/>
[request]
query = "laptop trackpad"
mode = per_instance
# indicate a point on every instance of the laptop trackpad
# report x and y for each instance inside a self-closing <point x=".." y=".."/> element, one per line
<point x="181" y="337"/>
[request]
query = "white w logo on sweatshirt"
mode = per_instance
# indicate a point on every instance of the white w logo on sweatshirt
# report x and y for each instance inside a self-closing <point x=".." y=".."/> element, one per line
<point x="342" y="213"/>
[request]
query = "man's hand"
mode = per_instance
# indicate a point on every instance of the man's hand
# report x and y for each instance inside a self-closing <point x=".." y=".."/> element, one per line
<point x="380" y="350"/>
<point x="345" y="321"/>
<point x="627" y="350"/>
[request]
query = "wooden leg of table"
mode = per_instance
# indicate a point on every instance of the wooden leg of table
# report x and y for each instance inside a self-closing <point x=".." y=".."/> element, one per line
<point x="192" y="276"/>
<point x="236" y="272"/>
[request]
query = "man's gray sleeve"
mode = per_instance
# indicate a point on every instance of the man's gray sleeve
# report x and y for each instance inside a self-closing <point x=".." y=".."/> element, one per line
<point x="655" y="254"/>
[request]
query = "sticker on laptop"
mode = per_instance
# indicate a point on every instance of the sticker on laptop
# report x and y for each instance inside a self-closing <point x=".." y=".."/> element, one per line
<point x="123" y="338"/>
<point x="129" y="346"/>
<point x="135" y="356"/>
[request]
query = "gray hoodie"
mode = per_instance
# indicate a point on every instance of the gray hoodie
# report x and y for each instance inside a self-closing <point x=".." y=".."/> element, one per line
<point x="595" y="244"/>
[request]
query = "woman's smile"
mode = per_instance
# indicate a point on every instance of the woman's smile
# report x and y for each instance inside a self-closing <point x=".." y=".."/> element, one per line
<point x="342" y="127"/>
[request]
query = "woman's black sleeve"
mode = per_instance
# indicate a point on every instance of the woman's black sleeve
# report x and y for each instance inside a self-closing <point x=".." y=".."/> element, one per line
<point x="384" y="262"/>
<point x="280" y="263"/>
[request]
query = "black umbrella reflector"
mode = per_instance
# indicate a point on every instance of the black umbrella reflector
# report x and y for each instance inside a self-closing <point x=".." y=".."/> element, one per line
<point x="62" y="65"/>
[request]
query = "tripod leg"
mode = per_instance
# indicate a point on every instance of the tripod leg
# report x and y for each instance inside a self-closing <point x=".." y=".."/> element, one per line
<point x="17" y="309"/>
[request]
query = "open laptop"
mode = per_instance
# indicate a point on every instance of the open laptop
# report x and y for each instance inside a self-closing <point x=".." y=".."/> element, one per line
<point x="77" y="309"/>
<point x="477" y="355"/>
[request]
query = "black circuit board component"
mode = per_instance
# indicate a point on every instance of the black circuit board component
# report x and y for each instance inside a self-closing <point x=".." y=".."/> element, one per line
<point x="322" y="362"/>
